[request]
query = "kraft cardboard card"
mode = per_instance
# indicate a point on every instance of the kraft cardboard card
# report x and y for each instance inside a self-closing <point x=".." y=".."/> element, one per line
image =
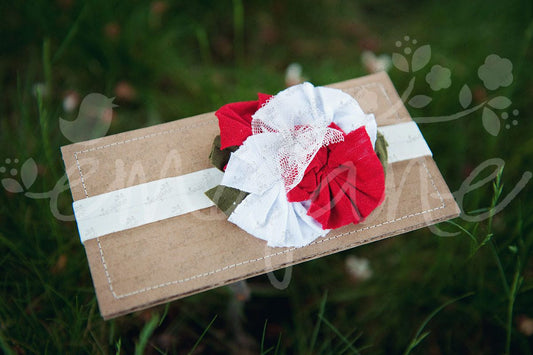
<point x="152" y="235"/>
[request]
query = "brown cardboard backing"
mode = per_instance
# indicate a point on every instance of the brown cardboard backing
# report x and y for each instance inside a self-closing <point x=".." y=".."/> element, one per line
<point x="180" y="256"/>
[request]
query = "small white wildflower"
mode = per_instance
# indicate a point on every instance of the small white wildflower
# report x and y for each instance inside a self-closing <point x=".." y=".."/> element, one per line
<point x="525" y="325"/>
<point x="374" y="64"/>
<point x="71" y="101"/>
<point x="358" y="268"/>
<point x="40" y="88"/>
<point x="293" y="75"/>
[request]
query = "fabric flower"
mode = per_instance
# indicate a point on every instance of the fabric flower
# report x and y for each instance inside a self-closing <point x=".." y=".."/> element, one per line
<point x="439" y="78"/>
<point x="496" y="72"/>
<point x="235" y="120"/>
<point x="345" y="182"/>
<point x="277" y="145"/>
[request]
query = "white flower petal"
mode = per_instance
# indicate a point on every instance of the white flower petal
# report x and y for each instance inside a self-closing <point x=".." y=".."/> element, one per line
<point x="346" y="113"/>
<point x="271" y="217"/>
<point x="250" y="169"/>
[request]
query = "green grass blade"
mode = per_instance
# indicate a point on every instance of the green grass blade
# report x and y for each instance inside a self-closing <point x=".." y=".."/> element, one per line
<point x="276" y="350"/>
<point x="5" y="347"/>
<point x="418" y="338"/>
<point x="263" y="337"/>
<point x="319" y="320"/>
<point x="145" y="334"/>
<point x="340" y="335"/>
<point x="500" y="267"/>
<point x="165" y="312"/>
<point x="118" y="346"/>
<point x="517" y="282"/>
<point x="202" y="336"/>
<point x="203" y="43"/>
<point x="47" y="64"/>
<point x="70" y="35"/>
<point x="238" y="30"/>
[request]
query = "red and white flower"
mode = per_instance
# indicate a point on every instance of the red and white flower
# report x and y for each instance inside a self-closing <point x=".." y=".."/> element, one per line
<point x="307" y="160"/>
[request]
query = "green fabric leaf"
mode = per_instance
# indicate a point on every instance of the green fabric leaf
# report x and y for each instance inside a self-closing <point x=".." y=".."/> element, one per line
<point x="219" y="158"/>
<point x="381" y="151"/>
<point x="226" y="198"/>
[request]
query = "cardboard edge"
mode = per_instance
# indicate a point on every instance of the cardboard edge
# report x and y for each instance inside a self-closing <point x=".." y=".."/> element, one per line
<point x="109" y="316"/>
<point x="68" y="151"/>
<point x="73" y="147"/>
<point x="452" y="211"/>
<point x="382" y="77"/>
<point x="80" y="146"/>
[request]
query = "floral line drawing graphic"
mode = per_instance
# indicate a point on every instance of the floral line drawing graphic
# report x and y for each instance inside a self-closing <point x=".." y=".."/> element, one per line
<point x="28" y="175"/>
<point x="495" y="72"/>
<point x="93" y="119"/>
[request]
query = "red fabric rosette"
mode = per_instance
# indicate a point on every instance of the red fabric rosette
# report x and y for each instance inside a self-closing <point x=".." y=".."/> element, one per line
<point x="345" y="182"/>
<point x="235" y="120"/>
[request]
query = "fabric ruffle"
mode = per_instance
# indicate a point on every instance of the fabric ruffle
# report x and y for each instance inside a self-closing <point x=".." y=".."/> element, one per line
<point x="306" y="160"/>
<point x="235" y="120"/>
<point x="345" y="182"/>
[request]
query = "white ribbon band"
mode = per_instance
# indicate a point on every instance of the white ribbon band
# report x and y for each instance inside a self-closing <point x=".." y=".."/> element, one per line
<point x="154" y="201"/>
<point x="405" y="142"/>
<point x="145" y="203"/>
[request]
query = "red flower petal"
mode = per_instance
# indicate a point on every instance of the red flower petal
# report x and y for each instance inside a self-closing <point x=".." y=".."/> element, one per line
<point x="334" y="205"/>
<point x="348" y="187"/>
<point x="311" y="179"/>
<point x="312" y="175"/>
<point x="235" y="120"/>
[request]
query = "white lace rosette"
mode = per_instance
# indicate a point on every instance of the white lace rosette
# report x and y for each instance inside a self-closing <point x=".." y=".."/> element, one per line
<point x="287" y="132"/>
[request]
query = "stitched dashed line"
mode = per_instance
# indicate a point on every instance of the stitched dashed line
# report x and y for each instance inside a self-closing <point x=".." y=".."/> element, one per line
<point x="388" y="99"/>
<point x="135" y="139"/>
<point x="433" y="184"/>
<point x="232" y="266"/>
<point x="105" y="268"/>
<point x="382" y="88"/>
<point x="81" y="175"/>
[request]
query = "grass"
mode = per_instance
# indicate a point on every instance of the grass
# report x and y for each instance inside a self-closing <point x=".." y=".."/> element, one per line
<point x="165" y="61"/>
<point x="419" y="336"/>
